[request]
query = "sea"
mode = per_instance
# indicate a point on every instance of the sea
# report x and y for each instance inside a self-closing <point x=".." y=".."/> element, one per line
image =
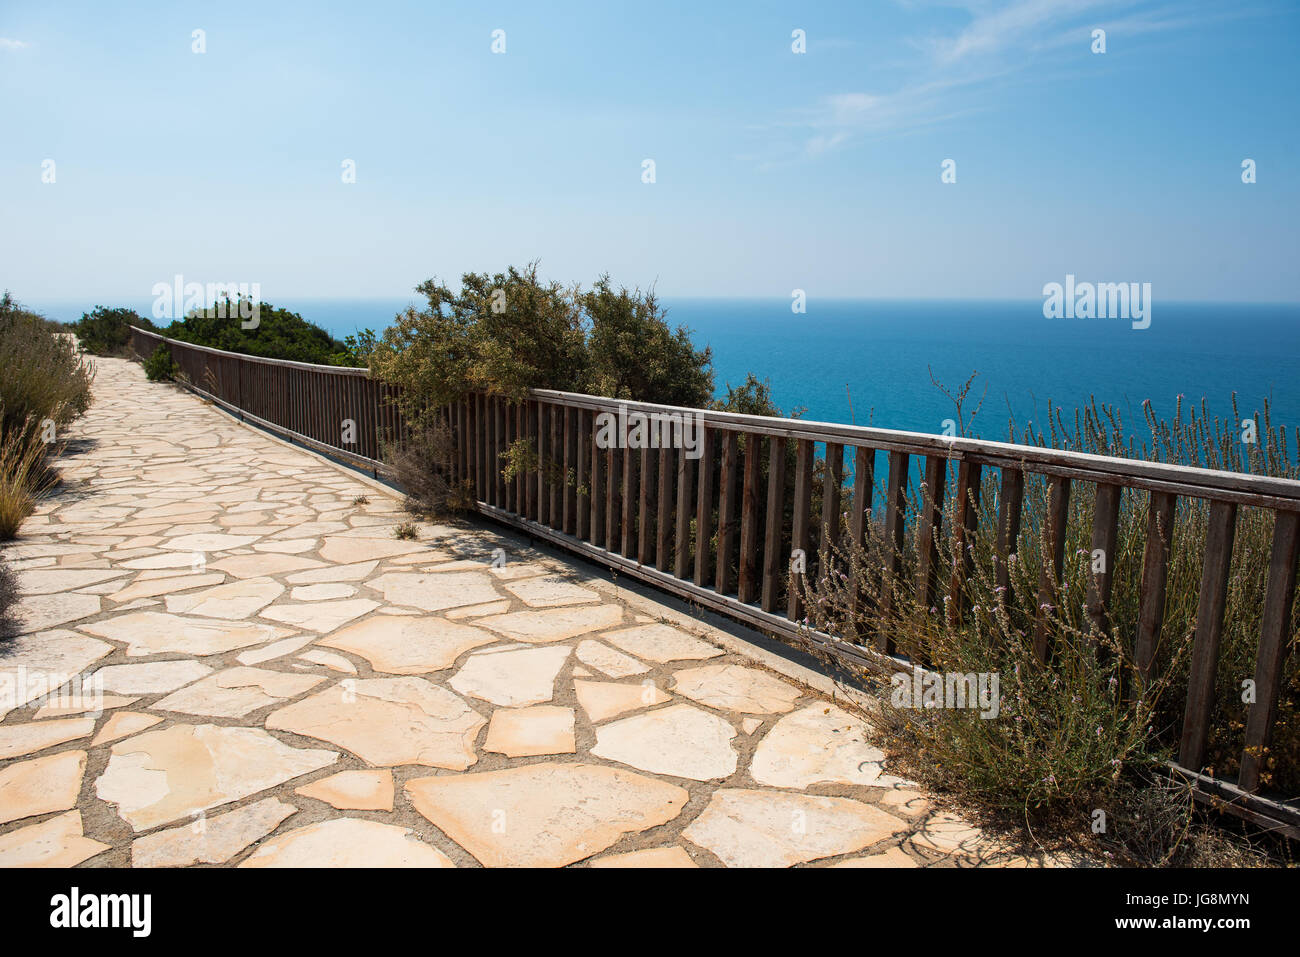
<point x="887" y="362"/>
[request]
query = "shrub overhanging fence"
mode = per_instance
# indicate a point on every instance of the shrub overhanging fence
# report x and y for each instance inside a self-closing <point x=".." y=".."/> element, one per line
<point x="706" y="526"/>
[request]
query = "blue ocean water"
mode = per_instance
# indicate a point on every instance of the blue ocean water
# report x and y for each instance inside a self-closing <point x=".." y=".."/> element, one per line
<point x="869" y="361"/>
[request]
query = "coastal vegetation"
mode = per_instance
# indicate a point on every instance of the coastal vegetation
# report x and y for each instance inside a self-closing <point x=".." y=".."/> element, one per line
<point x="273" y="333"/>
<point x="105" y="331"/>
<point x="159" y="365"/>
<point x="509" y="332"/>
<point x="1091" y="730"/>
<point x="44" y="384"/>
<point x="270" y="332"/>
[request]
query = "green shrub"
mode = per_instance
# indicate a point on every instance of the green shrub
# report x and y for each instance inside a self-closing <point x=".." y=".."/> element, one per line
<point x="278" y="334"/>
<point x="510" y="332"/>
<point x="160" y="367"/>
<point x="106" y="332"/>
<point x="43" y="379"/>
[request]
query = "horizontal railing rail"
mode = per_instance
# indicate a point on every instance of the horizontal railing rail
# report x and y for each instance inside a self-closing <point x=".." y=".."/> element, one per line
<point x="707" y="526"/>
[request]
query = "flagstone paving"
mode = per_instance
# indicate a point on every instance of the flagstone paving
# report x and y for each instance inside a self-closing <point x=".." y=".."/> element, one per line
<point x="226" y="657"/>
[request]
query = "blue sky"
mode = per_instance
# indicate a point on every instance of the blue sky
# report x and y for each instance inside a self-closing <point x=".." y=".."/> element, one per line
<point x="774" y="170"/>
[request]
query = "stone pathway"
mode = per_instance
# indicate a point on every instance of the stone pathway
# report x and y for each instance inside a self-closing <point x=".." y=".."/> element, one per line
<point x="227" y="657"/>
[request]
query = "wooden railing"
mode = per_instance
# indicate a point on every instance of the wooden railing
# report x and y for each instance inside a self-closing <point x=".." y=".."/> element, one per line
<point x="709" y="530"/>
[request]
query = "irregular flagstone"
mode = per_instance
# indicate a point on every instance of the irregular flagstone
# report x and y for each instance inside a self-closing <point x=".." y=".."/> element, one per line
<point x="31" y="666"/>
<point x="235" y="692"/>
<point x="650" y="857"/>
<point x="731" y="687"/>
<point x="659" y="642"/>
<point x="154" y="632"/>
<point x="20" y="739"/>
<point x="435" y="592"/>
<point x="819" y="744"/>
<point x="334" y="573"/>
<point x="265" y="565"/>
<point x="905" y="802"/>
<point x="170" y="585"/>
<point x="681" y="740"/>
<point x="41" y="581"/>
<point x="22" y="549"/>
<point x="292" y="546"/>
<point x="548" y="591"/>
<point x="152" y="677"/>
<point x="169" y="561"/>
<point x="186" y="509"/>
<point x="750" y="828"/>
<point x="276" y="649"/>
<point x="557" y="624"/>
<point x="321" y="615"/>
<point x="512" y="677"/>
<point x="609" y="662"/>
<point x="475" y="611"/>
<point x="353" y="790"/>
<point x="209" y="542"/>
<point x="93" y="704"/>
<point x="322" y="592"/>
<point x="38" y="612"/>
<point x="894" y="857"/>
<point x="315" y="529"/>
<point x="235" y="601"/>
<point x="544" y="815"/>
<point x="515" y="569"/>
<point x="388" y="721"/>
<point x="348" y="842"/>
<point x="160" y="776"/>
<point x="341" y="550"/>
<point x="607" y="699"/>
<point x="949" y="834"/>
<point x="408" y="646"/>
<point x="420" y="558"/>
<point x="41" y="785"/>
<point x="216" y="840"/>
<point x="329" y="659"/>
<point x="123" y="724"/>
<point x="461" y="565"/>
<point x="526" y="732"/>
<point x="58" y="842"/>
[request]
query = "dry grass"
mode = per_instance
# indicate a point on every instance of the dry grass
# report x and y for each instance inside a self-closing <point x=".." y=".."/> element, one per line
<point x="42" y="376"/>
<point x="8" y="598"/>
<point x="1071" y="737"/>
<point x="421" y="469"/>
<point x="24" y="477"/>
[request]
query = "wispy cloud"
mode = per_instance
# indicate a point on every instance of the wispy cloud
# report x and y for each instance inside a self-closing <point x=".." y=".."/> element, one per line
<point x="8" y="44"/>
<point x="990" y="44"/>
